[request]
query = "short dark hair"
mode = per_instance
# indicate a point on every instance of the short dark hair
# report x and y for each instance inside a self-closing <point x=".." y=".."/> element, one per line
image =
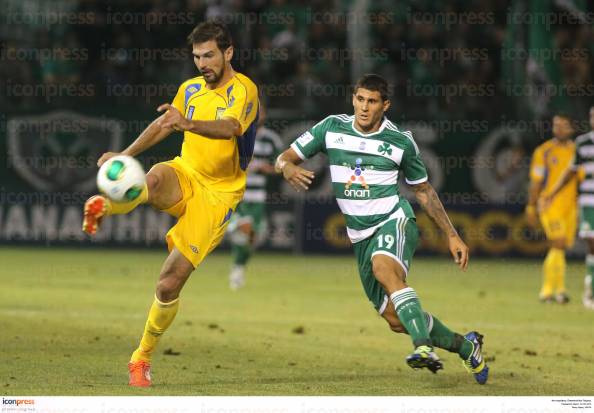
<point x="373" y="82"/>
<point x="564" y="115"/>
<point x="211" y="30"/>
<point x="567" y="118"/>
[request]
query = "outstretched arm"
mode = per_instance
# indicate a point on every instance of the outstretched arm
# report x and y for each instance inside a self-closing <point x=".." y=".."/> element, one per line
<point x="262" y="167"/>
<point x="287" y="164"/>
<point x="153" y="134"/>
<point x="429" y="201"/>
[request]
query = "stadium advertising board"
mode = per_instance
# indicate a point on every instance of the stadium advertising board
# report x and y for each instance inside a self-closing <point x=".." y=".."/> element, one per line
<point x="50" y="171"/>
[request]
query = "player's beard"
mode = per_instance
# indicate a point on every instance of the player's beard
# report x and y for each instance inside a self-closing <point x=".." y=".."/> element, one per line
<point x="215" y="78"/>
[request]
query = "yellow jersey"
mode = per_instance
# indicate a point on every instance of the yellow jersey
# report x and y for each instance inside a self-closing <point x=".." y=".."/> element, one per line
<point x="220" y="163"/>
<point x="549" y="162"/>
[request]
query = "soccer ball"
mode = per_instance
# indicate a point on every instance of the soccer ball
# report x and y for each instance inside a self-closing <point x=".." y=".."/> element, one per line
<point x="121" y="178"/>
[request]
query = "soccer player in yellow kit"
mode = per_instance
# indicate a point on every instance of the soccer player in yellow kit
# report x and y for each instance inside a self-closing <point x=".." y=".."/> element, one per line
<point x="558" y="217"/>
<point x="583" y="168"/>
<point x="218" y="113"/>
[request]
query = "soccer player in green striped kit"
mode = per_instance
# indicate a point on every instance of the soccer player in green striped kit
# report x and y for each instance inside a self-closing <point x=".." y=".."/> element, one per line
<point x="366" y="153"/>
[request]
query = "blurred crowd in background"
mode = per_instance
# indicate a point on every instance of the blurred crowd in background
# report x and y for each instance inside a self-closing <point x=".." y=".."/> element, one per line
<point x="300" y="52"/>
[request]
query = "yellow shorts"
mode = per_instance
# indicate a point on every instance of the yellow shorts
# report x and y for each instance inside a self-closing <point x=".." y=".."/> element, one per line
<point x="203" y="214"/>
<point x="560" y="226"/>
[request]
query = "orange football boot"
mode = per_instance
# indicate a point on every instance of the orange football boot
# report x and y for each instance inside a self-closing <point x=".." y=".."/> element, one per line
<point x="140" y="373"/>
<point x="95" y="208"/>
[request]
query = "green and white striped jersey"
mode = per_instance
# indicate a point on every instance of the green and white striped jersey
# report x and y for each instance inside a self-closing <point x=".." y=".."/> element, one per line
<point x="584" y="158"/>
<point x="364" y="170"/>
<point x="266" y="148"/>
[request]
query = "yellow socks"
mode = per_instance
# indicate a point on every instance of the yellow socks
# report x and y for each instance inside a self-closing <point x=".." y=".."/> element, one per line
<point x="125" y="207"/>
<point x="559" y="284"/>
<point x="554" y="273"/>
<point x="160" y="317"/>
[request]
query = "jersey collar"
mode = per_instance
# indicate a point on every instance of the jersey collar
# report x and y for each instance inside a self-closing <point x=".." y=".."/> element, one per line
<point x="380" y="130"/>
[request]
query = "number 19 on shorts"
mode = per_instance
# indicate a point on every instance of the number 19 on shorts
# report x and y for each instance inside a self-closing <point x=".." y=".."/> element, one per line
<point x="385" y="241"/>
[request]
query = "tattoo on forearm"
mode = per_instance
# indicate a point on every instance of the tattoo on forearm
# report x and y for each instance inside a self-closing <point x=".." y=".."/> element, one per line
<point x="430" y="202"/>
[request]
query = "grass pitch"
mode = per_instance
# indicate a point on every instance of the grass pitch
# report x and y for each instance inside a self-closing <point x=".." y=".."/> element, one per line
<point x="69" y="320"/>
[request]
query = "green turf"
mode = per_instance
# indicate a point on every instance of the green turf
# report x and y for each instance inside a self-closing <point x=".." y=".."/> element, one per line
<point x="69" y="320"/>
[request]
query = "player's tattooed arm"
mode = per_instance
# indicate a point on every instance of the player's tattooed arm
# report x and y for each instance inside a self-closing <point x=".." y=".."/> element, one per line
<point x="215" y="129"/>
<point x="429" y="201"/>
<point x="287" y="164"/>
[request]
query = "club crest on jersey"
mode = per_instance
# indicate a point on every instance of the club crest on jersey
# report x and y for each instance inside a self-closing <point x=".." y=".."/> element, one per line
<point x="357" y="178"/>
<point x="362" y="146"/>
<point x="385" y="149"/>
<point x="219" y="113"/>
<point x="190" y="90"/>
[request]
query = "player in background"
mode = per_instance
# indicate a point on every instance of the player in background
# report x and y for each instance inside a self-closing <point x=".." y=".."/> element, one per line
<point x="366" y="153"/>
<point x="248" y="221"/>
<point x="559" y="217"/>
<point x="218" y="113"/>
<point x="582" y="168"/>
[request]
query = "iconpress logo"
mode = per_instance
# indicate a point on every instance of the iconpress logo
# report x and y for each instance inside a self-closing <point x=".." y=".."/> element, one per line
<point x="17" y="402"/>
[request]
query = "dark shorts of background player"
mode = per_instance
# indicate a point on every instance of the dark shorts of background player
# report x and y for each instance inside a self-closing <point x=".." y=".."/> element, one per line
<point x="397" y="239"/>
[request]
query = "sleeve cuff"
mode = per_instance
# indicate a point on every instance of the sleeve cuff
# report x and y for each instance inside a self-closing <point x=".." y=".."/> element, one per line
<point x="416" y="181"/>
<point x="298" y="151"/>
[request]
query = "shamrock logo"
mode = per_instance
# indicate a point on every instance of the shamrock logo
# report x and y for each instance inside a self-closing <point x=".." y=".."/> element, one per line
<point x="385" y="148"/>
